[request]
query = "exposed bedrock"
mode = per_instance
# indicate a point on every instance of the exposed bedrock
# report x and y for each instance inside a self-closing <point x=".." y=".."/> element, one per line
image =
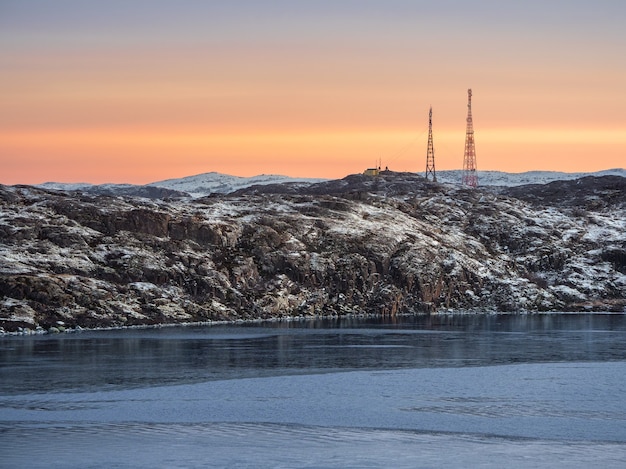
<point x="388" y="245"/>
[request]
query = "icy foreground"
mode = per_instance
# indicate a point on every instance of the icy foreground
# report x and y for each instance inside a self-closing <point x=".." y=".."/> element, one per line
<point x="388" y="245"/>
<point x="554" y="415"/>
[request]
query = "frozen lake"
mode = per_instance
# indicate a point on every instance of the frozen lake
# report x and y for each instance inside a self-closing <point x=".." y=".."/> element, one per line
<point x="441" y="391"/>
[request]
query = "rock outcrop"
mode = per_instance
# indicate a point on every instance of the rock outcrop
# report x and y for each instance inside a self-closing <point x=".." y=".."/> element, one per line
<point x="393" y="244"/>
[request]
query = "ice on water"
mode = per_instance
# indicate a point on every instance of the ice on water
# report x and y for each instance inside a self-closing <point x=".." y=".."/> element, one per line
<point x="537" y="413"/>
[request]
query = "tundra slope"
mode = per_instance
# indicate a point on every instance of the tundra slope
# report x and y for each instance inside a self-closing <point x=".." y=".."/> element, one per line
<point x="394" y="244"/>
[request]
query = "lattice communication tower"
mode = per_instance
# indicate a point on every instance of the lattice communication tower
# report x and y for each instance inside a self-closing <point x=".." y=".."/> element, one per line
<point x="430" y="152"/>
<point x="470" y="178"/>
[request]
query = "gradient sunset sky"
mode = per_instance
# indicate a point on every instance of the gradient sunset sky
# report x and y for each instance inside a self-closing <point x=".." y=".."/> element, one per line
<point x="145" y="90"/>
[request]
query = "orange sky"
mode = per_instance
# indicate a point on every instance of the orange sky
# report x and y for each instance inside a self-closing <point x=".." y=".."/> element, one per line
<point x="88" y="95"/>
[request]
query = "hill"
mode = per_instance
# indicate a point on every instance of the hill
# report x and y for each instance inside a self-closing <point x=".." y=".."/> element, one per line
<point x="390" y="245"/>
<point x="206" y="184"/>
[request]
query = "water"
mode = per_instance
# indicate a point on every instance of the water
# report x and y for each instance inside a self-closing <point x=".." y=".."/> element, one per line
<point x="442" y="391"/>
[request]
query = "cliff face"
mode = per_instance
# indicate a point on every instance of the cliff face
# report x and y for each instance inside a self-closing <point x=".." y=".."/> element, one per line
<point x="392" y="244"/>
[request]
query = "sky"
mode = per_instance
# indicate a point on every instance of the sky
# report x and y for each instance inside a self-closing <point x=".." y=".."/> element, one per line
<point x="139" y="91"/>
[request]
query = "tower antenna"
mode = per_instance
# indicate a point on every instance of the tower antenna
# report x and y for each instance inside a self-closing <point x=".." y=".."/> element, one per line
<point x="430" y="152"/>
<point x="470" y="178"/>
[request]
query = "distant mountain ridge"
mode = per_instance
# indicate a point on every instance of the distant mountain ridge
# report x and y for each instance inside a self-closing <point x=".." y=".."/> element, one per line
<point x="200" y="185"/>
<point x="217" y="183"/>
<point x="205" y="184"/>
<point x="500" y="178"/>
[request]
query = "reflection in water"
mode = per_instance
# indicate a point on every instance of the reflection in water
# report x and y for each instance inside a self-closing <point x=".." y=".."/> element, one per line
<point x="131" y="358"/>
<point x="174" y="397"/>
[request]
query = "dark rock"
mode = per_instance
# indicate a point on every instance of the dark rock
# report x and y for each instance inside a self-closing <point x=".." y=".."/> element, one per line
<point x="395" y="244"/>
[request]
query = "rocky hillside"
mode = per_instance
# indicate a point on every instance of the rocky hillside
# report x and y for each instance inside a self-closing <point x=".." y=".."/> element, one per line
<point x="392" y="244"/>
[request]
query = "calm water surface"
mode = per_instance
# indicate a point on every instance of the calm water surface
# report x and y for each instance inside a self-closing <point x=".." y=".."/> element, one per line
<point x="532" y="391"/>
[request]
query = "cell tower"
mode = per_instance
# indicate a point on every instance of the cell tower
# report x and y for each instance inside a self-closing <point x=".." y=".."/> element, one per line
<point x="470" y="178"/>
<point x="430" y="152"/>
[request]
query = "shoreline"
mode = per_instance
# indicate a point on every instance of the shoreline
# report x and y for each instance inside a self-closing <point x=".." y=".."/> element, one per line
<point x="286" y="319"/>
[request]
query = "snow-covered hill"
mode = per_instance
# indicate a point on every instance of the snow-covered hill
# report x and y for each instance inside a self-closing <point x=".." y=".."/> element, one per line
<point x="499" y="178"/>
<point x="202" y="185"/>
<point x="81" y="186"/>
<point x="217" y="183"/>
<point x="394" y="244"/>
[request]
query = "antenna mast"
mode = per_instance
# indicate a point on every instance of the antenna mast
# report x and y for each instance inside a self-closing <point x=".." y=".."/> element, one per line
<point x="470" y="178"/>
<point x="430" y="152"/>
